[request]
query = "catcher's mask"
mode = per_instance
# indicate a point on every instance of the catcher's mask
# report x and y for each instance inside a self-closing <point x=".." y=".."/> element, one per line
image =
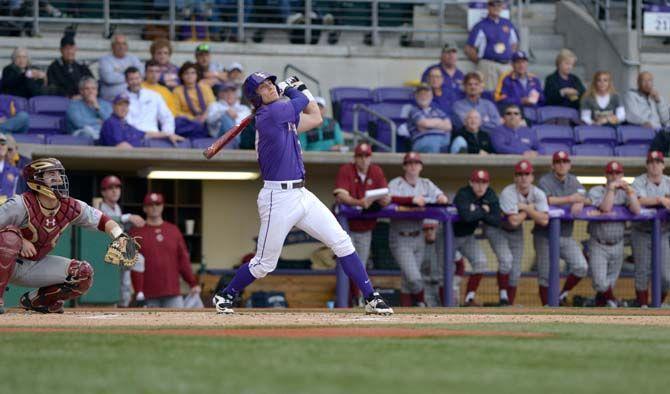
<point x="57" y="187"/>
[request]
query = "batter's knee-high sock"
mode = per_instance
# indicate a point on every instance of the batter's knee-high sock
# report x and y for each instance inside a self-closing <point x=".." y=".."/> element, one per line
<point x="419" y="299"/>
<point x="242" y="279"/>
<point x="355" y="270"/>
<point x="405" y="299"/>
<point x="570" y="282"/>
<point x="544" y="295"/>
<point x="460" y="267"/>
<point x="473" y="285"/>
<point x="642" y="297"/>
<point x="503" y="284"/>
<point x="511" y="294"/>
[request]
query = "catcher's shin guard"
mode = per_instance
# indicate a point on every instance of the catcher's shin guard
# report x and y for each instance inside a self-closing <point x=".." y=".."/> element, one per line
<point x="50" y="299"/>
<point x="10" y="246"/>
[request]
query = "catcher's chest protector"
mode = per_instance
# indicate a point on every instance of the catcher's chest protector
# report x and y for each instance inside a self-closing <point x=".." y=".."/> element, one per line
<point x="42" y="230"/>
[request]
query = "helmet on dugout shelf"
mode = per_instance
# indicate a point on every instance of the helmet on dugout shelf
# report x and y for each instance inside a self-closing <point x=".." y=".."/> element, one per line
<point x="252" y="83"/>
<point x="34" y="172"/>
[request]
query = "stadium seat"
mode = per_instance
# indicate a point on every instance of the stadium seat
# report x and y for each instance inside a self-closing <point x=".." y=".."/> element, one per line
<point x="400" y="94"/>
<point x="20" y="103"/>
<point x="529" y="113"/>
<point x="631" y="150"/>
<point x="592" y="150"/>
<point x="45" y="124"/>
<point x="379" y="129"/>
<point x="202" y="143"/>
<point x="49" y="105"/>
<point x="551" y="148"/>
<point x="344" y="99"/>
<point x="557" y="115"/>
<point x="596" y="135"/>
<point x="165" y="143"/>
<point x="549" y="133"/>
<point x="635" y="134"/>
<point x="66" y="139"/>
<point x="29" y="138"/>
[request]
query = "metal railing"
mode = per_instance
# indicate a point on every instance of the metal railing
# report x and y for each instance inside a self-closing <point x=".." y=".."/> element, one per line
<point x="365" y="136"/>
<point x="304" y="74"/>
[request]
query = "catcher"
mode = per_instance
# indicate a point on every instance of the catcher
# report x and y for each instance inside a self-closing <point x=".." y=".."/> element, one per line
<point x="30" y="225"/>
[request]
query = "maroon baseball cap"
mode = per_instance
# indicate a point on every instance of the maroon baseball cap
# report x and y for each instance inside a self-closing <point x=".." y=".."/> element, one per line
<point x="523" y="167"/>
<point x="153" y="199"/>
<point x="480" y="176"/>
<point x="412" y="157"/>
<point x="655" y="155"/>
<point x="614" y="167"/>
<point x="560" y="155"/>
<point x="109" y="181"/>
<point x="363" y="149"/>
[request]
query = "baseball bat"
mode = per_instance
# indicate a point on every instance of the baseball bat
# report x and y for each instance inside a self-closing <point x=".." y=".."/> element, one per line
<point x="226" y="137"/>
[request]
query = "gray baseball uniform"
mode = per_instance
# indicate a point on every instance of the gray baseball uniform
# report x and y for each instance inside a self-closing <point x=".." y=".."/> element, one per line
<point x="570" y="251"/>
<point x="406" y="238"/>
<point x="606" y="242"/>
<point x="641" y="235"/>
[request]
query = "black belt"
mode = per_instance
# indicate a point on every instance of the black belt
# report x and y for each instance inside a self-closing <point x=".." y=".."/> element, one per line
<point x="409" y="233"/>
<point x="294" y="185"/>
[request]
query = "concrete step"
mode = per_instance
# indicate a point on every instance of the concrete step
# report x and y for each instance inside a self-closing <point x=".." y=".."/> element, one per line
<point x="546" y="41"/>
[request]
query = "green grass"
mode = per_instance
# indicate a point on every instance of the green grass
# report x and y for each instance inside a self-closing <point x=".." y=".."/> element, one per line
<point x="578" y="358"/>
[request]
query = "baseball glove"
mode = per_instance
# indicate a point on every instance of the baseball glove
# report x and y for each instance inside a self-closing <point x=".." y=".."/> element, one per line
<point x="122" y="251"/>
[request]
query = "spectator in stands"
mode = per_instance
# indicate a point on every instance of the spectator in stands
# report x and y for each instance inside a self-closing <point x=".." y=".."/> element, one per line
<point x="512" y="137"/>
<point x="645" y="106"/>
<point x="152" y="75"/>
<point x="519" y="86"/>
<point x="212" y="72"/>
<point x="86" y="115"/>
<point x="235" y="73"/>
<point x="113" y="66"/>
<point x="473" y="100"/>
<point x="147" y="108"/>
<point x="441" y="99"/>
<point x="9" y="175"/>
<point x="192" y="97"/>
<point x="21" y="79"/>
<point x="161" y="51"/>
<point x="562" y="88"/>
<point x="452" y="77"/>
<point x="15" y="158"/>
<point x="429" y="127"/>
<point x="491" y="43"/>
<point x="471" y="139"/>
<point x="11" y="121"/>
<point x="226" y="112"/>
<point x="327" y="137"/>
<point x="65" y="72"/>
<point x="601" y="105"/>
<point x="116" y="131"/>
<point x="166" y="258"/>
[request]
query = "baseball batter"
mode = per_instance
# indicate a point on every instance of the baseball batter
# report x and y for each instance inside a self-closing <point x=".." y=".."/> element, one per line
<point x="30" y="225"/>
<point x="653" y="190"/>
<point x="518" y="202"/>
<point x="284" y="202"/>
<point x="606" y="241"/>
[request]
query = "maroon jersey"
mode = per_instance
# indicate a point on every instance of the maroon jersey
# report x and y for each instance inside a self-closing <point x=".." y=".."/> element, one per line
<point x="348" y="180"/>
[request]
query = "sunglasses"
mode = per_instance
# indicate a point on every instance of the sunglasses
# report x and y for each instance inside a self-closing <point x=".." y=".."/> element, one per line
<point x="512" y="113"/>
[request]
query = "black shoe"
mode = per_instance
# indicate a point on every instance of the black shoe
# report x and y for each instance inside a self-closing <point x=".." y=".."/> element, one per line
<point x="504" y="302"/>
<point x="333" y="37"/>
<point x="259" y="36"/>
<point x="377" y="306"/>
<point x="367" y="39"/>
<point x="223" y="303"/>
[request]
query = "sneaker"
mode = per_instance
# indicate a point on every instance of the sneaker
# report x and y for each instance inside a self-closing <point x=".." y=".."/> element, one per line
<point x="563" y="302"/>
<point x="223" y="303"/>
<point x="377" y="306"/>
<point x="25" y="303"/>
<point x="612" y="304"/>
<point x="504" y="302"/>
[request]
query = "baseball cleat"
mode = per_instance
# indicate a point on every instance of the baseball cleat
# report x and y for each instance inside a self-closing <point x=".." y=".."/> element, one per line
<point x="472" y="303"/>
<point x="377" y="306"/>
<point x="504" y="302"/>
<point x="25" y="303"/>
<point x="223" y="303"/>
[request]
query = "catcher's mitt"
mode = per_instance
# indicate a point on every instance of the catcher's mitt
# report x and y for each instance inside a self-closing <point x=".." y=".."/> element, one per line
<point x="122" y="251"/>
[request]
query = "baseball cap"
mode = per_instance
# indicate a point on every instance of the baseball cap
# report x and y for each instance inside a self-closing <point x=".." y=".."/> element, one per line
<point x="614" y="167"/>
<point x="121" y="97"/>
<point x="479" y="175"/>
<point x="363" y="149"/>
<point x="495" y="2"/>
<point x="519" y="55"/>
<point x="523" y="167"/>
<point x="67" y="39"/>
<point x="235" y="66"/>
<point x="655" y="155"/>
<point x="202" y="48"/>
<point x="320" y="100"/>
<point x="450" y="47"/>
<point x="109" y="181"/>
<point x="560" y="155"/>
<point x="412" y="157"/>
<point x="153" y="199"/>
<point x="422" y="87"/>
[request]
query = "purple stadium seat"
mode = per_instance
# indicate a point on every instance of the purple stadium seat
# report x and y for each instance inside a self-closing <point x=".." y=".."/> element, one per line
<point x="381" y="130"/>
<point x="400" y="94"/>
<point x="29" y="138"/>
<point x="202" y="143"/>
<point x="592" y="150"/>
<point x="595" y="135"/>
<point x="344" y="99"/>
<point x="551" y="148"/>
<point x="557" y="115"/>
<point x="487" y="94"/>
<point x="344" y="92"/>
<point x="66" y="139"/>
<point x="49" y="105"/>
<point x="165" y="143"/>
<point x="549" y="133"/>
<point x="45" y="124"/>
<point x="530" y="113"/>
<point x="20" y="103"/>
<point x="631" y="150"/>
<point x="635" y="134"/>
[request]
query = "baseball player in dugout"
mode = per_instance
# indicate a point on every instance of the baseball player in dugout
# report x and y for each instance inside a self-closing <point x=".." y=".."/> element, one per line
<point x="518" y="202"/>
<point x="30" y="225"/>
<point x="352" y="182"/>
<point x="282" y="110"/>
<point x="607" y="238"/>
<point x="653" y="190"/>
<point x="562" y="188"/>
<point x="110" y="189"/>
<point x="406" y="238"/>
<point x="476" y="203"/>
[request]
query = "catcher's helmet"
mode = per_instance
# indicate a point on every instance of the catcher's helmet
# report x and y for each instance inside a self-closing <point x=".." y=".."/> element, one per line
<point x="252" y="83"/>
<point x="34" y="171"/>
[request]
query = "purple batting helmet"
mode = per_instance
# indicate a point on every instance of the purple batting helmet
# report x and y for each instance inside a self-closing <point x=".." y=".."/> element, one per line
<point x="252" y="83"/>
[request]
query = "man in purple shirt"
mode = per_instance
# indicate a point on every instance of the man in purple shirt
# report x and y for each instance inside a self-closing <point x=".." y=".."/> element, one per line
<point x="491" y="43"/>
<point x="519" y="86"/>
<point x="284" y="202"/>
<point x="452" y="77"/>
<point x="512" y="137"/>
